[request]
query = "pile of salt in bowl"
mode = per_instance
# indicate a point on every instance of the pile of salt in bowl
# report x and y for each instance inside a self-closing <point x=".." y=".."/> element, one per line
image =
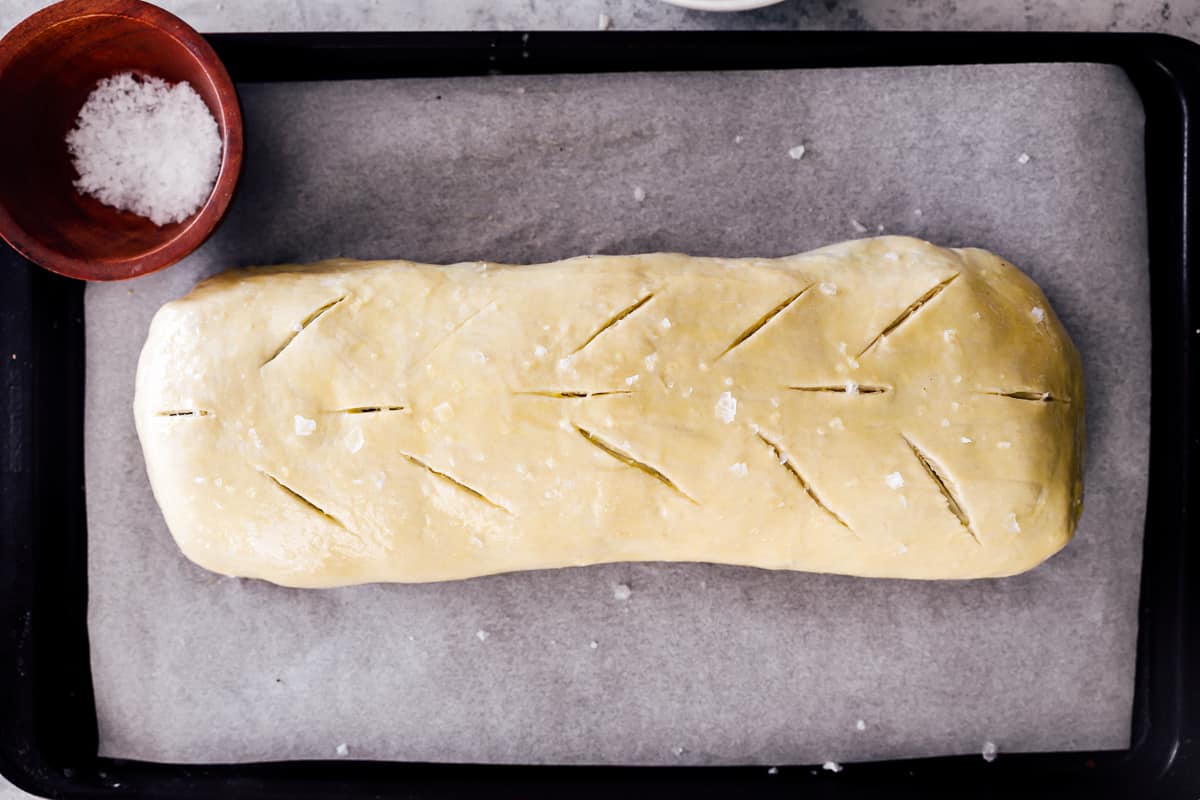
<point x="140" y="144"/>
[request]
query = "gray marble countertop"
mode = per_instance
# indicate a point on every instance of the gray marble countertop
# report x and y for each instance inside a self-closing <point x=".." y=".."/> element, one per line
<point x="1179" y="17"/>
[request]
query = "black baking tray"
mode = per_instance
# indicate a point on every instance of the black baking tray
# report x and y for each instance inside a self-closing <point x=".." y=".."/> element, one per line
<point x="48" y="740"/>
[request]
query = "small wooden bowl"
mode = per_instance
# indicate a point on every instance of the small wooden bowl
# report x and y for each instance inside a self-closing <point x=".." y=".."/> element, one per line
<point x="48" y="65"/>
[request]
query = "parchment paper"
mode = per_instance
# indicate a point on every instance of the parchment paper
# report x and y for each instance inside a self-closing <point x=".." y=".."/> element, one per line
<point x="701" y="664"/>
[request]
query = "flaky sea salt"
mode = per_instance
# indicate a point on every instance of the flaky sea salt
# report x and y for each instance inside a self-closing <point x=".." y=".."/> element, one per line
<point x="739" y="469"/>
<point x="726" y="407"/>
<point x="342" y="749"/>
<point x="146" y="146"/>
<point x="621" y="591"/>
<point x="894" y="480"/>
<point x="989" y="751"/>
<point x="639" y="194"/>
<point x="796" y="152"/>
<point x="354" y="440"/>
<point x="303" y="425"/>
<point x="832" y="766"/>
<point x="1038" y="314"/>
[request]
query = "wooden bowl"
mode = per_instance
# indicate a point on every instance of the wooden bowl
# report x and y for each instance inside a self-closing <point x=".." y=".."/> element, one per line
<point x="49" y="64"/>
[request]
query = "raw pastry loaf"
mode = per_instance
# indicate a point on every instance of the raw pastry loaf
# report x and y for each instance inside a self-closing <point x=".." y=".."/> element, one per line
<point x="882" y="407"/>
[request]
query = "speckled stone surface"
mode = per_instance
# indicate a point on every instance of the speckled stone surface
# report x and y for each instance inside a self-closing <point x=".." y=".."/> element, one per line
<point x="1178" y="17"/>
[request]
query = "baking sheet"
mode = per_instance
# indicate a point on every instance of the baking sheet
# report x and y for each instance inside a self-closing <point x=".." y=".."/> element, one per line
<point x="700" y="664"/>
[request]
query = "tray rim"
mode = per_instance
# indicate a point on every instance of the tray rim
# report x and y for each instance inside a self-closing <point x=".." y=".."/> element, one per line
<point x="41" y="323"/>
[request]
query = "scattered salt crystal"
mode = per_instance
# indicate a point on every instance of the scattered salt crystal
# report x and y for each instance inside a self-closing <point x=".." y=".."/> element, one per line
<point x="918" y="212"/>
<point x="1004" y="445"/>
<point x="303" y="426"/>
<point x="678" y="751"/>
<point x="603" y="22"/>
<point x="737" y="139"/>
<point x="726" y="407"/>
<point x="665" y="324"/>
<point x="1012" y="524"/>
<point x="842" y="348"/>
<point x="1023" y="158"/>
<point x="945" y="422"/>
<point x="861" y="725"/>
<point x="891" y="256"/>
<point x="482" y="635"/>
<point x="797" y="152"/>
<point x="894" y="480"/>
<point x="728" y="381"/>
<point x="828" y="288"/>
<point x="443" y="411"/>
<point x="564" y="363"/>
<point x="773" y="771"/>
<point x="739" y="469"/>
<point x="832" y="766"/>
<point x="254" y="438"/>
<point x="879" y="228"/>
<point x="639" y="194"/>
<point x="539" y="351"/>
<point x="774" y="402"/>
<point x="966" y="440"/>
<point x="857" y="226"/>
<point x="903" y="501"/>
<point x="354" y="440"/>
<point x="621" y="591"/>
<point x="593" y="644"/>
<point x="989" y="751"/>
<point x="342" y="749"/>
<point x="1038" y="314"/>
<point x="851" y="387"/>
<point x="631" y="380"/>
<point x="948" y="335"/>
<point x="378" y="479"/>
<point x="901" y="548"/>
<point x="199" y="479"/>
<point x="146" y="146"/>
<point x="475" y="541"/>
<point x="836" y="424"/>
<point x="651" y="361"/>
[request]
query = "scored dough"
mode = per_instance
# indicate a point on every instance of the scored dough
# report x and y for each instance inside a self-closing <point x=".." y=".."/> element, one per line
<point x="882" y="407"/>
